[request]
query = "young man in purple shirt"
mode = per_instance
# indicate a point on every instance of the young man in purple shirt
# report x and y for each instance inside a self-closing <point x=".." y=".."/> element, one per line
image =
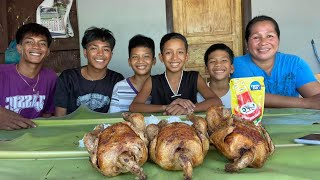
<point x="27" y="88"/>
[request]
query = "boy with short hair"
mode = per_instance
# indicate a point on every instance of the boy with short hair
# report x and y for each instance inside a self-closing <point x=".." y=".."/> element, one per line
<point x="141" y="59"/>
<point x="90" y="85"/>
<point x="219" y="62"/>
<point x="174" y="92"/>
<point x="27" y="88"/>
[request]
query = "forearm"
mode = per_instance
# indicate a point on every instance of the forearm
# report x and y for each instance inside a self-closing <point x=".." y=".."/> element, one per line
<point x="277" y="101"/>
<point x="146" y="108"/>
<point x="60" y="111"/>
<point x="204" y="105"/>
<point x="10" y="120"/>
<point x="47" y="115"/>
<point x="4" y="111"/>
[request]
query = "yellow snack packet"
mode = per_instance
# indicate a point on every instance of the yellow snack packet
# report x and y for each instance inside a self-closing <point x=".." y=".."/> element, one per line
<point x="247" y="98"/>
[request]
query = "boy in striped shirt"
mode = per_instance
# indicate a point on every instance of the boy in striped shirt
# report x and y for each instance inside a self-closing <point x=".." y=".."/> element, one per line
<point x="141" y="59"/>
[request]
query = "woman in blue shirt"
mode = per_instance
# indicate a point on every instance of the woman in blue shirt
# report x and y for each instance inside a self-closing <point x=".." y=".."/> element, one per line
<point x="286" y="76"/>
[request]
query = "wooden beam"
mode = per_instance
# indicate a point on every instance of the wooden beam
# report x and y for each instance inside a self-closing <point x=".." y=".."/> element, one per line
<point x="169" y="16"/>
<point x="3" y="29"/>
<point x="246" y="17"/>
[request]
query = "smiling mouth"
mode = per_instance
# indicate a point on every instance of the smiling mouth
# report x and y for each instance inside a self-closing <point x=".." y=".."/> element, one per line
<point x="141" y="67"/>
<point x="219" y="71"/>
<point x="174" y="64"/>
<point x="263" y="50"/>
<point x="99" y="60"/>
<point x="34" y="54"/>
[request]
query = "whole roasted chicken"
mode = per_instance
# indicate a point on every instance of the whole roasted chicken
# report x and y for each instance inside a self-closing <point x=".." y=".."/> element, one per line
<point x="178" y="146"/>
<point x="119" y="148"/>
<point x="240" y="141"/>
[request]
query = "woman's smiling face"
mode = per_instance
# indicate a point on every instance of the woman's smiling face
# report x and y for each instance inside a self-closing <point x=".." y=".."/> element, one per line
<point x="263" y="42"/>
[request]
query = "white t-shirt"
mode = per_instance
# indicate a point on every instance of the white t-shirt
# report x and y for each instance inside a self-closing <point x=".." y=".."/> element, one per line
<point x="226" y="99"/>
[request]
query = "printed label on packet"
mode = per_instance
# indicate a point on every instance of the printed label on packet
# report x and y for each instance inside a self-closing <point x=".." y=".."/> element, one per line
<point x="247" y="98"/>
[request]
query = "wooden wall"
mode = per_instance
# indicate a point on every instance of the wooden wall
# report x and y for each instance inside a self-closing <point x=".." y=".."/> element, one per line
<point x="65" y="52"/>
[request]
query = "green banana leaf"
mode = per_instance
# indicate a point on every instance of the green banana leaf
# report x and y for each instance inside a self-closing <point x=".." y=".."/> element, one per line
<point x="298" y="163"/>
<point x="51" y="151"/>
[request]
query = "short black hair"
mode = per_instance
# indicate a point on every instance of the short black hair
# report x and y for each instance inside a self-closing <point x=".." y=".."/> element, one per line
<point x="33" y="29"/>
<point x="102" y="34"/>
<point x="218" y="46"/>
<point x="141" y="41"/>
<point x="170" y="36"/>
<point x="259" y="19"/>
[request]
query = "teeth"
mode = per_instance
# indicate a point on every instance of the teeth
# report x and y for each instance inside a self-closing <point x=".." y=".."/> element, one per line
<point x="263" y="50"/>
<point x="174" y="64"/>
<point x="141" y="67"/>
<point x="99" y="60"/>
<point x="35" y="54"/>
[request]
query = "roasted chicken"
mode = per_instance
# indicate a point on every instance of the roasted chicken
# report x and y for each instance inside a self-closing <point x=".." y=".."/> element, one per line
<point x="119" y="148"/>
<point x="178" y="146"/>
<point x="240" y="141"/>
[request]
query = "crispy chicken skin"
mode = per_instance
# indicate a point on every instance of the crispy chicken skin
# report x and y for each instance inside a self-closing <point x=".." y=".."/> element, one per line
<point x="240" y="141"/>
<point x="178" y="146"/>
<point x="119" y="148"/>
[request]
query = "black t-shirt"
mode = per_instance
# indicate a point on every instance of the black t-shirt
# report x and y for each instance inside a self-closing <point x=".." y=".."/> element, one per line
<point x="161" y="92"/>
<point x="74" y="90"/>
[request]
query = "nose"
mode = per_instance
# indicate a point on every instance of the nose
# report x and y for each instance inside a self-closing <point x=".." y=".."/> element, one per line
<point x="175" y="55"/>
<point x="100" y="51"/>
<point x="217" y="63"/>
<point x="140" y="58"/>
<point x="263" y="40"/>
<point x="36" y="45"/>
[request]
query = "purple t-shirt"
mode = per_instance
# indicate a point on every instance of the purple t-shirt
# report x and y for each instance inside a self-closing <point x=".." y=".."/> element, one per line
<point x="16" y="95"/>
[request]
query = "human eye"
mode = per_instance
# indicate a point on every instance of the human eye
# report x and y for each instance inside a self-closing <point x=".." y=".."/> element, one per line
<point x="28" y="41"/>
<point x="167" y="53"/>
<point x="93" y="48"/>
<point x="270" y="36"/>
<point x="181" y="52"/>
<point x="212" y="61"/>
<point x="134" y="57"/>
<point x="106" y="49"/>
<point x="255" y="37"/>
<point x="147" y="56"/>
<point x="43" y="43"/>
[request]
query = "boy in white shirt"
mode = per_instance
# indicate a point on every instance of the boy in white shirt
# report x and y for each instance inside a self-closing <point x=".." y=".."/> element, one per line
<point x="219" y="63"/>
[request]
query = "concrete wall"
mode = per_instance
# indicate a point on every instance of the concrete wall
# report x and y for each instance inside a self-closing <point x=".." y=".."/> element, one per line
<point x="298" y="21"/>
<point x="125" y="18"/>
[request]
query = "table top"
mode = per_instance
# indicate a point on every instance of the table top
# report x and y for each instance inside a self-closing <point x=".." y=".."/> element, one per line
<point x="51" y="150"/>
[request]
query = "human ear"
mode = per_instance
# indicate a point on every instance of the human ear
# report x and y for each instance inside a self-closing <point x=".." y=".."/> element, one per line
<point x="19" y="48"/>
<point x="187" y="56"/>
<point x="154" y="61"/>
<point x="129" y="62"/>
<point x="48" y="52"/>
<point x="160" y="57"/>
<point x="231" y="69"/>
<point x="85" y="53"/>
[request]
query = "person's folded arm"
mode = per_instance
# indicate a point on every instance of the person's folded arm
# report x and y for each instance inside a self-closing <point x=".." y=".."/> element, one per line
<point x="310" y="93"/>
<point x="10" y="120"/>
<point x="138" y="103"/>
<point x="60" y="111"/>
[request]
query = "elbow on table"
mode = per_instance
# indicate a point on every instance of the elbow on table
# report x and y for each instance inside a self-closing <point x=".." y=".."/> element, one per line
<point x="132" y="107"/>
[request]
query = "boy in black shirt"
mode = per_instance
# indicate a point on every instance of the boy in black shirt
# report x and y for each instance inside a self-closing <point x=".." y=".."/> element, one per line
<point x="89" y="85"/>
